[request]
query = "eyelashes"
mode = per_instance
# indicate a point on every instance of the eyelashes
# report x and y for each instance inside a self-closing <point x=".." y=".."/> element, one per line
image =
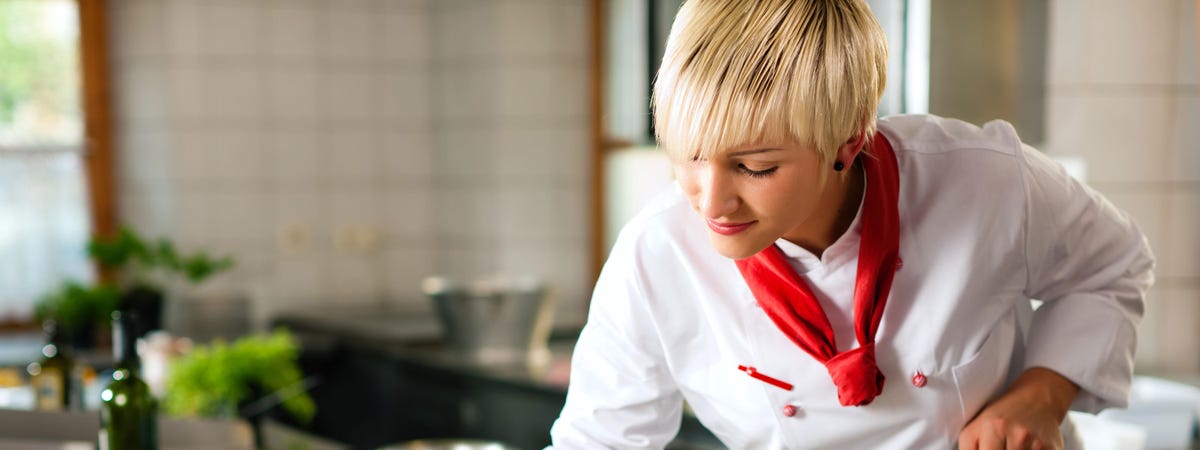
<point x="742" y="168"/>
<point x="757" y="173"/>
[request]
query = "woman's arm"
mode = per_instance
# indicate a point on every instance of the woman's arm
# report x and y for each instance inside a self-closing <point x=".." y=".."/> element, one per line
<point x="621" y="393"/>
<point x="1026" y="416"/>
<point x="1091" y="266"/>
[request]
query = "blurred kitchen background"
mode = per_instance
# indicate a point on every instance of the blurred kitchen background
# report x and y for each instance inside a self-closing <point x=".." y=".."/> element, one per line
<point x="342" y="151"/>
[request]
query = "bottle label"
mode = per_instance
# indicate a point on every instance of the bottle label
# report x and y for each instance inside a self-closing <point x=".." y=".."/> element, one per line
<point x="47" y="386"/>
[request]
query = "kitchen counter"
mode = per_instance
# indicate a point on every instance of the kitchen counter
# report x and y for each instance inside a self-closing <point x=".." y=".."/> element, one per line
<point x="394" y="367"/>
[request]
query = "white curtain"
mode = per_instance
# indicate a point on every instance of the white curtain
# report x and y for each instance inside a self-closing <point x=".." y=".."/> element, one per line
<point x="44" y="225"/>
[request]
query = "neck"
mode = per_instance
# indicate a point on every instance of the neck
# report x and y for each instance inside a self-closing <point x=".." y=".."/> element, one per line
<point x="838" y="205"/>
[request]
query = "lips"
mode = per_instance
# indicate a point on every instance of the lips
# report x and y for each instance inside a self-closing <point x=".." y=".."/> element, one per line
<point x="729" y="228"/>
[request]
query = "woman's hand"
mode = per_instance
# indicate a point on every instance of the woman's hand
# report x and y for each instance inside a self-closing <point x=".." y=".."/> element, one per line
<point x="1027" y="416"/>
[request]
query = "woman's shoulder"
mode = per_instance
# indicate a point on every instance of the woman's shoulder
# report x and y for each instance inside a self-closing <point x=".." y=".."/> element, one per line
<point x="665" y="214"/>
<point x="930" y="134"/>
<point x="663" y="225"/>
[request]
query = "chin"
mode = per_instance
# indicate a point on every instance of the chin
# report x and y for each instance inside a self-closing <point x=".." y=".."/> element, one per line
<point x="735" y="248"/>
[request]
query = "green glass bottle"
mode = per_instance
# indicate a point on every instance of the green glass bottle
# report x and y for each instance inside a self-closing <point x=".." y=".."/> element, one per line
<point x="51" y="376"/>
<point x="128" y="411"/>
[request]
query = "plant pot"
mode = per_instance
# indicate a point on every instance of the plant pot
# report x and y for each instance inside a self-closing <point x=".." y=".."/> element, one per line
<point x="82" y="336"/>
<point x="147" y="303"/>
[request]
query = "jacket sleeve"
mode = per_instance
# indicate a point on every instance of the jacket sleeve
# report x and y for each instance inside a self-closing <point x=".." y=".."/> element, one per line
<point x="1091" y="266"/>
<point x="621" y="392"/>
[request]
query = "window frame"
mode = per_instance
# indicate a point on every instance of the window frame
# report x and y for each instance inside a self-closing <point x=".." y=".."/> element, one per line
<point x="97" y="145"/>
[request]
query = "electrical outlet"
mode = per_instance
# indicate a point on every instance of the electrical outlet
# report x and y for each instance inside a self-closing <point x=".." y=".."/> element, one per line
<point x="367" y="238"/>
<point x="295" y="238"/>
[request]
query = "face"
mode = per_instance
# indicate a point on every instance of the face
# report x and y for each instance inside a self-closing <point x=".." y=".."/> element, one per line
<point x="752" y="195"/>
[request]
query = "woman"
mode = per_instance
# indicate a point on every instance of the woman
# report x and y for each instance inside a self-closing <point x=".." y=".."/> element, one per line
<point x="817" y="280"/>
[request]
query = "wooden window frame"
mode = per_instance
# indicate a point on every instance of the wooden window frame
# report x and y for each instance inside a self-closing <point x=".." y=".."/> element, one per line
<point x="97" y="112"/>
<point x="97" y="142"/>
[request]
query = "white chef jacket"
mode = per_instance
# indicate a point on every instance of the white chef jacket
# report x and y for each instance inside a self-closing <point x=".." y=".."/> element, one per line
<point x="987" y="224"/>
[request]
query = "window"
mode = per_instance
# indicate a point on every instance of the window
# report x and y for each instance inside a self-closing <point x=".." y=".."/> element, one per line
<point x="44" y="221"/>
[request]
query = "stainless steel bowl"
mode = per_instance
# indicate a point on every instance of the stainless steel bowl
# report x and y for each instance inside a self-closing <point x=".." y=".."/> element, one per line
<point x="449" y="444"/>
<point x="494" y="321"/>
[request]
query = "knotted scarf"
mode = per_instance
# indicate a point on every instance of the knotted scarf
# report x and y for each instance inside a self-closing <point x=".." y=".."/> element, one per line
<point x="790" y="302"/>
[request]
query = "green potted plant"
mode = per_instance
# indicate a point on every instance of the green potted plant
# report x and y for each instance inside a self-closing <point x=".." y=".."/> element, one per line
<point x="79" y="311"/>
<point x="148" y="268"/>
<point x="243" y="379"/>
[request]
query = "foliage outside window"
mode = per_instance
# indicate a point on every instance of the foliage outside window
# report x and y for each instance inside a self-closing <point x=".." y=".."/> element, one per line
<point x="39" y="79"/>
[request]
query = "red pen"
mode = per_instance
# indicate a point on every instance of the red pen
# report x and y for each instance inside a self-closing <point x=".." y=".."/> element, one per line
<point x="767" y="379"/>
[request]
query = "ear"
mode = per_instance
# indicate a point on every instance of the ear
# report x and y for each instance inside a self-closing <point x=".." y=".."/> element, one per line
<point x="850" y="149"/>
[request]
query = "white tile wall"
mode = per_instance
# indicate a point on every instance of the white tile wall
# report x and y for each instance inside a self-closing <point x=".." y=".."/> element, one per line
<point x="464" y="30"/>
<point x="406" y="213"/>
<point x="1180" y="256"/>
<point x="348" y="95"/>
<point x="141" y="24"/>
<point x="1122" y="94"/>
<point x="518" y="39"/>
<point x="404" y="266"/>
<point x="1122" y="132"/>
<point x="1185" y="137"/>
<point x="290" y="30"/>
<point x="526" y="152"/>
<point x="143" y="103"/>
<point x="235" y="156"/>
<point x="280" y="131"/>
<point x="1181" y="310"/>
<point x="185" y="93"/>
<point x="1129" y="42"/>
<point x="239" y="215"/>
<point x="405" y="96"/>
<point x="152" y="209"/>
<point x="406" y="36"/>
<point x="353" y="279"/>
<point x="406" y="156"/>
<point x="465" y="155"/>
<point x="541" y="90"/>
<point x="144" y="160"/>
<point x="298" y="282"/>
<point x="291" y="93"/>
<point x="465" y="92"/>
<point x="1152" y="333"/>
<point x="349" y="156"/>
<point x="351" y="34"/>
<point x="182" y="27"/>
<point x="1186" y="53"/>
<point x="1066" y="64"/>
<point x="234" y="92"/>
<point x="231" y="29"/>
<point x="194" y="217"/>
<point x="294" y="157"/>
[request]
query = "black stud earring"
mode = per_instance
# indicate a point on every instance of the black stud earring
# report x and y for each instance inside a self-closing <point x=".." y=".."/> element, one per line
<point x="838" y="166"/>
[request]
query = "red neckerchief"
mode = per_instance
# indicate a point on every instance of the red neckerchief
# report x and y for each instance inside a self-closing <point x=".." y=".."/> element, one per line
<point x="790" y="302"/>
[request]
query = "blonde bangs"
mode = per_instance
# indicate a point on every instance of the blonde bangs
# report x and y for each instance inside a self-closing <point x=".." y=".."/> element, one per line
<point x="769" y="71"/>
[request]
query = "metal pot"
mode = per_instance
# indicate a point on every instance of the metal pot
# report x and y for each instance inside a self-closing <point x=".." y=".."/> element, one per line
<point x="495" y="321"/>
<point x="449" y="444"/>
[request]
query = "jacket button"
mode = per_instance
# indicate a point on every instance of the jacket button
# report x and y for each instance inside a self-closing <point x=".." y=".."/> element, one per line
<point x="919" y="380"/>
<point x="789" y="410"/>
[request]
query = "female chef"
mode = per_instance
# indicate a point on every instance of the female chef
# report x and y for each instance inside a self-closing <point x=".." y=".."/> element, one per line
<point x="820" y="280"/>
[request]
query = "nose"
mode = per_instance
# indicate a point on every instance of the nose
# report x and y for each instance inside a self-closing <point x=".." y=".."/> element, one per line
<point x="716" y="196"/>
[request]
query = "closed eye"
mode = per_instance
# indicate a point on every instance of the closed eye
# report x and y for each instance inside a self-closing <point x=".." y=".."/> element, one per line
<point x="757" y="173"/>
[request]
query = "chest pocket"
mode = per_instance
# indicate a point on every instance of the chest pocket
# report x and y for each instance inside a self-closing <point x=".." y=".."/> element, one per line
<point x="981" y="377"/>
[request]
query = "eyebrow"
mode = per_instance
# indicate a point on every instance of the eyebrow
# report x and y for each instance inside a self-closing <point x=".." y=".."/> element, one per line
<point x="753" y="151"/>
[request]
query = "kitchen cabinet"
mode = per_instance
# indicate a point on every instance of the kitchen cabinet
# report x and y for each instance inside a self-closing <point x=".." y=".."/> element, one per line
<point x="381" y="385"/>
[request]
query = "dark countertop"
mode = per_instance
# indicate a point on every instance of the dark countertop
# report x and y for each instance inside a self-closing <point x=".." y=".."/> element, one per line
<point x="414" y="340"/>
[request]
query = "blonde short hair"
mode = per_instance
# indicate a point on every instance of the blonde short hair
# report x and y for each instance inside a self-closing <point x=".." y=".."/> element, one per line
<point x="737" y="72"/>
